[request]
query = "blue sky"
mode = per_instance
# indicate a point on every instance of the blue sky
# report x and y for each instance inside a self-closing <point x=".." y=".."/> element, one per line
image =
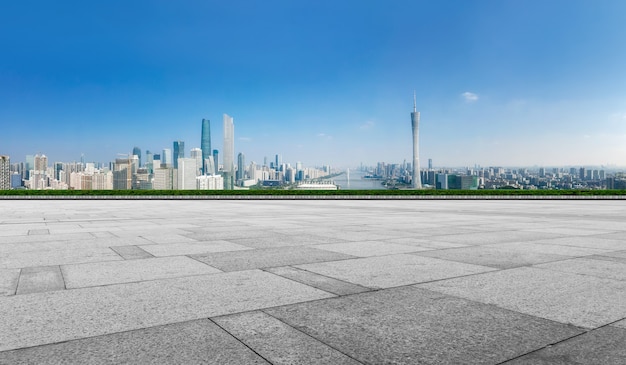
<point x="498" y="82"/>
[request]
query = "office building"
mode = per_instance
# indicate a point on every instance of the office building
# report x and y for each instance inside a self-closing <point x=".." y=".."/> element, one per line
<point x="241" y="169"/>
<point x="179" y="152"/>
<point x="137" y="152"/>
<point x="210" y="182"/>
<point x="229" y="152"/>
<point x="416" y="180"/>
<point x="163" y="179"/>
<point x="5" y="173"/>
<point x="187" y="173"/>
<point x="166" y="158"/>
<point x="196" y="154"/>
<point x="216" y="161"/>
<point x="205" y="144"/>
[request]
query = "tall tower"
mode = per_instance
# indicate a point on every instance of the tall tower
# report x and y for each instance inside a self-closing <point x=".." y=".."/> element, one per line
<point x="137" y="152"/>
<point x="179" y="152"/>
<point x="205" y="144"/>
<point x="229" y="152"/>
<point x="415" y="121"/>
<point x="5" y="173"/>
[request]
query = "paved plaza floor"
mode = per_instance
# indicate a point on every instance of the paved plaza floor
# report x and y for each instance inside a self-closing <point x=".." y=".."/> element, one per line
<point x="312" y="282"/>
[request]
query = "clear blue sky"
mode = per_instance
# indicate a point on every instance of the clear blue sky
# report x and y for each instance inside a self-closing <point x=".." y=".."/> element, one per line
<point x="498" y="82"/>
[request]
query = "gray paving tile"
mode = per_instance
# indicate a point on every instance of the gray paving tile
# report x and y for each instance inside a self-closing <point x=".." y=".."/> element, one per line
<point x="127" y="271"/>
<point x="424" y="242"/>
<point x="600" y="268"/>
<point x="268" y="257"/>
<point x="485" y="238"/>
<point x="8" y="281"/>
<point x="321" y="282"/>
<point x="410" y="326"/>
<point x="279" y="343"/>
<point x="131" y="252"/>
<point x="570" y="231"/>
<point x="369" y="248"/>
<point x="494" y="256"/>
<point x="80" y="313"/>
<point x="621" y="235"/>
<point x="608" y="257"/>
<point x="38" y="231"/>
<point x="284" y="240"/>
<point x="56" y="257"/>
<point x="193" y="342"/>
<point x="167" y="238"/>
<point x="601" y="346"/>
<point x="588" y="242"/>
<point x="40" y="279"/>
<point x="581" y="300"/>
<point x="620" y="324"/>
<point x="191" y="248"/>
<point x="546" y="248"/>
<point x="45" y="237"/>
<point x="393" y="270"/>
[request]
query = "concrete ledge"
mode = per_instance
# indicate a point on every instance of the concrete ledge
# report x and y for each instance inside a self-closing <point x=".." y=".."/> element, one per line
<point x="315" y="197"/>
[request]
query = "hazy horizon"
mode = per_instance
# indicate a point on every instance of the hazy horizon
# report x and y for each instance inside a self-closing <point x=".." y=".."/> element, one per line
<point x="498" y="83"/>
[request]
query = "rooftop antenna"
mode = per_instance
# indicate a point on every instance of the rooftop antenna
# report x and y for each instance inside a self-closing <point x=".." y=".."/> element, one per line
<point x="414" y="102"/>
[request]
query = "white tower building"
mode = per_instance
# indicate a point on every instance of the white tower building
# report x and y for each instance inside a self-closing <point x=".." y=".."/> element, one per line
<point x="229" y="153"/>
<point x="415" y="121"/>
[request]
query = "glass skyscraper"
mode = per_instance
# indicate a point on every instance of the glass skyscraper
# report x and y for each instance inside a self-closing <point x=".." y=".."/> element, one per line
<point x="205" y="144"/>
<point x="179" y="152"/>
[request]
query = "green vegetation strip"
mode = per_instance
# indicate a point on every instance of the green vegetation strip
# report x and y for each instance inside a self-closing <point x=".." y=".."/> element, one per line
<point x="312" y="192"/>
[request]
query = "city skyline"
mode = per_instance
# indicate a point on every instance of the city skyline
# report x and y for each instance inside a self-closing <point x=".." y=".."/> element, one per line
<point x="498" y="83"/>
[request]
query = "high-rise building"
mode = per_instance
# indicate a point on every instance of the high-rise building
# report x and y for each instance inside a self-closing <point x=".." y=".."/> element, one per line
<point x="196" y="154"/>
<point x="137" y="152"/>
<point x="229" y="152"/>
<point x="166" y="158"/>
<point x="216" y="161"/>
<point x="415" y="120"/>
<point x="179" y="152"/>
<point x="5" y="173"/>
<point x="241" y="163"/>
<point x="149" y="161"/>
<point x="210" y="166"/>
<point x="187" y="172"/>
<point x="205" y="144"/>
<point x="430" y="163"/>
<point x="278" y="162"/>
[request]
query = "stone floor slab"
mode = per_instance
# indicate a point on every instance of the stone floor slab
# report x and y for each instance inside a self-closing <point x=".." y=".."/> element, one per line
<point x="79" y="313"/>
<point x="40" y="279"/>
<point x="8" y="281"/>
<point x="601" y="346"/>
<point x="318" y="281"/>
<point x="268" y="257"/>
<point x="369" y="248"/>
<point x="485" y="238"/>
<point x="592" y="242"/>
<point x="280" y="343"/>
<point x="393" y="270"/>
<point x="494" y="256"/>
<point x="283" y="240"/>
<point x="581" y="300"/>
<point x="131" y="252"/>
<point x="191" y="248"/>
<point x="56" y="257"/>
<point x="128" y="271"/>
<point x="599" y="268"/>
<point x="193" y="342"/>
<point x="413" y="326"/>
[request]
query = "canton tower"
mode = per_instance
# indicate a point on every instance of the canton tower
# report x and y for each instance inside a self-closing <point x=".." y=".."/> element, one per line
<point x="415" y="121"/>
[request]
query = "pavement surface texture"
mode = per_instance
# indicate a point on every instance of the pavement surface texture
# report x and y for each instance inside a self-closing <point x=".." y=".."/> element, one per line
<point x="312" y="282"/>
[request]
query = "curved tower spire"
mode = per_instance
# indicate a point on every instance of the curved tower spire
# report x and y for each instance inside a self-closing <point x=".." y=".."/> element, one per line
<point x="415" y="121"/>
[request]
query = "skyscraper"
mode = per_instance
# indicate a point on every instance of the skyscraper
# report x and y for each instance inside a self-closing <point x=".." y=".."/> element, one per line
<point x="196" y="154"/>
<point x="205" y="144"/>
<point x="415" y="121"/>
<point x="179" y="152"/>
<point x="216" y="161"/>
<point x="229" y="152"/>
<point x="137" y="152"/>
<point x="5" y="173"/>
<point x="166" y="158"/>
<point x="241" y="163"/>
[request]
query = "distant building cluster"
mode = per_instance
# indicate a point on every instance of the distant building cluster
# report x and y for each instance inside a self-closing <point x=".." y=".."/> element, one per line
<point x="400" y="175"/>
<point x="168" y="170"/>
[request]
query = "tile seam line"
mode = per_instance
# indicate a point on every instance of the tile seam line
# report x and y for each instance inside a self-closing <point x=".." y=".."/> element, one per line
<point x="240" y="341"/>
<point x="103" y="335"/>
<point x="300" y="282"/>
<point x="586" y="331"/>
<point x="312" y="337"/>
